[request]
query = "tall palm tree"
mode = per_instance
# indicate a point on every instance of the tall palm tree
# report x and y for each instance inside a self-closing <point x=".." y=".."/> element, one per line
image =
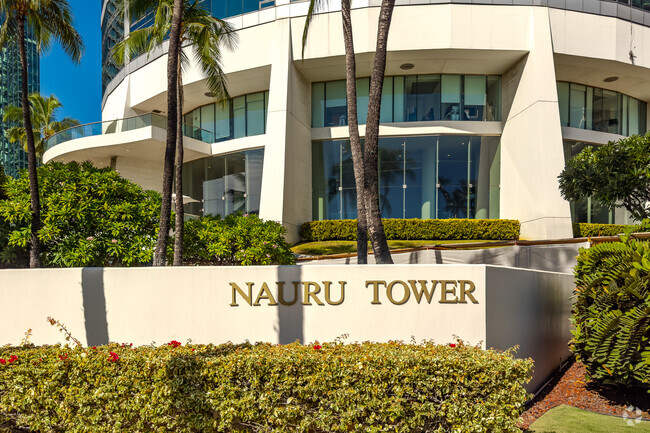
<point x="44" y="123"/>
<point x="47" y="19"/>
<point x="188" y="24"/>
<point x="364" y="159"/>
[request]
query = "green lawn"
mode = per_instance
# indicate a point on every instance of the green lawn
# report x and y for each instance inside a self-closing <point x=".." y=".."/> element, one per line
<point x="348" y="247"/>
<point x="567" y="419"/>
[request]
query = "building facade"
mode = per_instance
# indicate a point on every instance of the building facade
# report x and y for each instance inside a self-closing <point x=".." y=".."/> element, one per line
<point x="481" y="106"/>
<point x="12" y="157"/>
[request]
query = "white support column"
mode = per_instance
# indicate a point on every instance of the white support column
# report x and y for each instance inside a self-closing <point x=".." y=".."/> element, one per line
<point x="286" y="179"/>
<point x="531" y="144"/>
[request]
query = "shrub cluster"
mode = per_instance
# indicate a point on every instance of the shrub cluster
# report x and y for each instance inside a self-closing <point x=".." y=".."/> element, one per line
<point x="412" y="229"/>
<point x="612" y="312"/>
<point x="368" y="387"/>
<point x="90" y="217"/>
<point x="235" y="240"/>
<point x="585" y="230"/>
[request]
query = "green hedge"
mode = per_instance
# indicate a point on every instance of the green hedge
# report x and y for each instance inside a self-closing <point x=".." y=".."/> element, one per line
<point x="366" y="387"/>
<point x="406" y="229"/>
<point x="586" y="230"/>
<point x="612" y="312"/>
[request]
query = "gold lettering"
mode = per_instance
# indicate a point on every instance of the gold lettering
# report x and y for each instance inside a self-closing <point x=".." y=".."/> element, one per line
<point x="418" y="293"/>
<point x="375" y="290"/>
<point x="389" y="292"/>
<point x="248" y="298"/>
<point x="265" y="293"/>
<point x="468" y="292"/>
<point x="445" y="291"/>
<point x="310" y="293"/>
<point x="328" y="299"/>
<point x="280" y="285"/>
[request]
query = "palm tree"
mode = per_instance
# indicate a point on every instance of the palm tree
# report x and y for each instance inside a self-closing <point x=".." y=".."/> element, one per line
<point x="364" y="159"/>
<point x="47" y="19"/>
<point x="194" y="26"/>
<point x="43" y="113"/>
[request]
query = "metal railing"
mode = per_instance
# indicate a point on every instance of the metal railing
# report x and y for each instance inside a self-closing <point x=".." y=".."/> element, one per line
<point x="124" y="125"/>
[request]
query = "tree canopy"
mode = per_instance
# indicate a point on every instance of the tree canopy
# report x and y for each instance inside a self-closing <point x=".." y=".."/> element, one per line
<point x="616" y="174"/>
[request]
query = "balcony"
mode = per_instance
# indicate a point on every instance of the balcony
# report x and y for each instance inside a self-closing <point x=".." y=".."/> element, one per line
<point x="142" y="137"/>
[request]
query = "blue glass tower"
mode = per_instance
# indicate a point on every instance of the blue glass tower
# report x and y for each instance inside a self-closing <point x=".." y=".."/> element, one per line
<point x="12" y="156"/>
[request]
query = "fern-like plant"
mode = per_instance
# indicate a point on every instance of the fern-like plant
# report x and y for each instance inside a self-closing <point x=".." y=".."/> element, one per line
<point x="612" y="311"/>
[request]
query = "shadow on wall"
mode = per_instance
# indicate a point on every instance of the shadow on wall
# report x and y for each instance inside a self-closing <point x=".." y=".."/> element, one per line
<point x="94" y="304"/>
<point x="290" y="319"/>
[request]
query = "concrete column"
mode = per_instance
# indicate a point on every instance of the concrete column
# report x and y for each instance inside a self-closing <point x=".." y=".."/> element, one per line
<point x="286" y="180"/>
<point x="531" y="144"/>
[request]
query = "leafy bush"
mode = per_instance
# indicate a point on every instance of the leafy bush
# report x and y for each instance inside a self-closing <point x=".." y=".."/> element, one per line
<point x="612" y="311"/>
<point x="90" y="217"/>
<point x="404" y="229"/>
<point x="584" y="230"/>
<point x="235" y="240"/>
<point x="334" y="387"/>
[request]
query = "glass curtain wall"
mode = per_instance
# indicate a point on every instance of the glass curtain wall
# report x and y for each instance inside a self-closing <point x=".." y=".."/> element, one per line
<point x="602" y="110"/>
<point x="242" y="116"/>
<point x="222" y="185"/>
<point x="413" y="98"/>
<point x="419" y="177"/>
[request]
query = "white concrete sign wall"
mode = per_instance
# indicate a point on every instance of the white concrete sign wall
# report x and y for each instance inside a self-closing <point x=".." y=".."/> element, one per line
<point x="494" y="306"/>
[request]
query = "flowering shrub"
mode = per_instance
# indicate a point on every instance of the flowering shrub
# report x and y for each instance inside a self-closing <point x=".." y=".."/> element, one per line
<point x="357" y="387"/>
<point x="235" y="240"/>
<point x="90" y="217"/>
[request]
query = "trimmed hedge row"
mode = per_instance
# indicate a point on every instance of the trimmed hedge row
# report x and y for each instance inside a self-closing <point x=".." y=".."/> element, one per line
<point x="585" y="230"/>
<point x="366" y="387"/>
<point x="406" y="229"/>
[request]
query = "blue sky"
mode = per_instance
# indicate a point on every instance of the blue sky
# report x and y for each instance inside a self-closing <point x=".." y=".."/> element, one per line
<point x="78" y="87"/>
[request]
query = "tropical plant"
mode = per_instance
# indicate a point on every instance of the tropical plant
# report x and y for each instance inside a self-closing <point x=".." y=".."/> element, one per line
<point x="47" y="19"/>
<point x="616" y="175"/>
<point x="91" y="217"/>
<point x="612" y="311"/>
<point x="235" y="240"/>
<point x="365" y="159"/>
<point x="44" y="123"/>
<point x="184" y="22"/>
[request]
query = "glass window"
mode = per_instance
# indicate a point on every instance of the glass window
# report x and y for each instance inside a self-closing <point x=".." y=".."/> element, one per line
<point x="255" y="114"/>
<point x="235" y="183"/>
<point x="363" y="90"/>
<point x="254" y="165"/>
<point x="219" y="8"/>
<point x="386" y="115"/>
<point x="239" y="116"/>
<point x="633" y="116"/>
<point x="452" y="177"/>
<point x="222" y="121"/>
<point x="428" y="97"/>
<point x="391" y="177"/>
<point x="317" y="105"/>
<point x="493" y="109"/>
<point x="207" y="118"/>
<point x="410" y="98"/>
<point x="474" y="98"/>
<point x="335" y="103"/>
<point x="563" y="101"/>
<point x="577" y="106"/>
<point x="235" y="7"/>
<point x="251" y="5"/>
<point x="420" y="177"/>
<point x="347" y="183"/>
<point x="398" y="99"/>
<point x="451" y="97"/>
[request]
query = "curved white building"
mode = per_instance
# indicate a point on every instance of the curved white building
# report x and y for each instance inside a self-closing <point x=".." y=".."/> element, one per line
<point x="482" y="104"/>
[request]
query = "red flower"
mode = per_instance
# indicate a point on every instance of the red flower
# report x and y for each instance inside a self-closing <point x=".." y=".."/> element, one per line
<point x="452" y="345"/>
<point x="174" y="343"/>
<point x="318" y="346"/>
<point x="2" y="361"/>
<point x="94" y="347"/>
<point x="13" y="358"/>
<point x="63" y="357"/>
<point x="113" y="357"/>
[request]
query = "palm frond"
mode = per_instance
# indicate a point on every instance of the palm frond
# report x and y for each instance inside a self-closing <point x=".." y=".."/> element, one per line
<point x="314" y="6"/>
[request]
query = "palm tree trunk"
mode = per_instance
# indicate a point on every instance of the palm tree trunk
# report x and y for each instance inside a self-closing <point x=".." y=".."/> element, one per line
<point x="373" y="213"/>
<point x="355" y="141"/>
<point x="35" y="247"/>
<point x="180" y="212"/>
<point x="159" y="257"/>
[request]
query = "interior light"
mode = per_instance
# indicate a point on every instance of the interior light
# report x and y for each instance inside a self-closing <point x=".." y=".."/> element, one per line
<point x="610" y="79"/>
<point x="407" y="66"/>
